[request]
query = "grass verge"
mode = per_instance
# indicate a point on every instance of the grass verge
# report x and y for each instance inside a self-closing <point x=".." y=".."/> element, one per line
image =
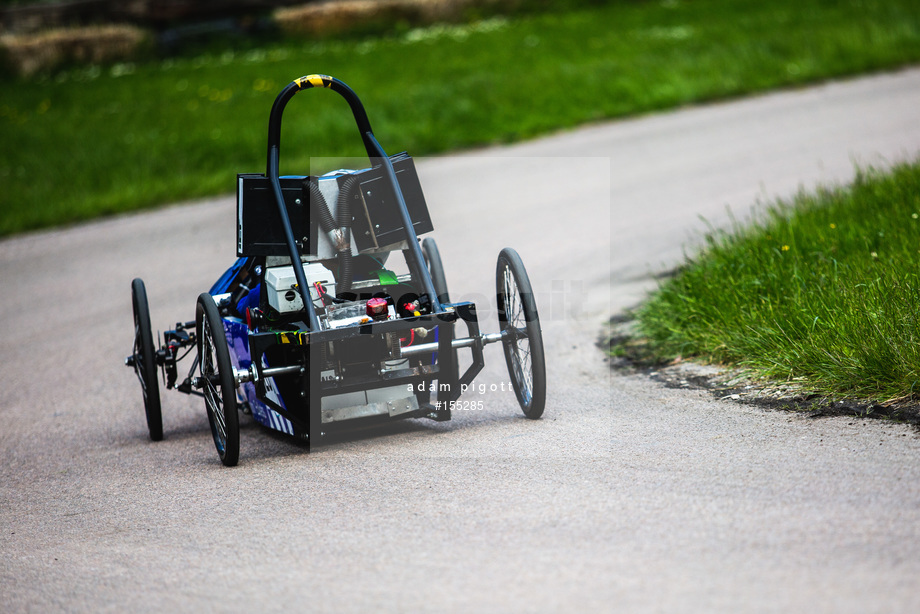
<point x="95" y="141"/>
<point x="822" y="293"/>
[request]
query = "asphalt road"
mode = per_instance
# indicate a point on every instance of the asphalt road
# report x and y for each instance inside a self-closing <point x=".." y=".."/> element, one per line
<point x="626" y="496"/>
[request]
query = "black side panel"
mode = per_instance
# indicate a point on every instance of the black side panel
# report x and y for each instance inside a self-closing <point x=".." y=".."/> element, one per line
<point x="377" y="222"/>
<point x="258" y="230"/>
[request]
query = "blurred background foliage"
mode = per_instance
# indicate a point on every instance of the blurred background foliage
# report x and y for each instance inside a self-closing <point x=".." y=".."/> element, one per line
<point x="188" y="108"/>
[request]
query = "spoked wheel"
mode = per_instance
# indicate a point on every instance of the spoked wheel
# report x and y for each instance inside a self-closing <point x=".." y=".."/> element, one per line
<point x="217" y="381"/>
<point x="144" y="359"/>
<point x="521" y="335"/>
<point x="436" y="268"/>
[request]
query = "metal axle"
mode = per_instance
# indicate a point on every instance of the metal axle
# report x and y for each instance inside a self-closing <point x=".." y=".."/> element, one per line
<point x="464" y="342"/>
<point x="252" y="375"/>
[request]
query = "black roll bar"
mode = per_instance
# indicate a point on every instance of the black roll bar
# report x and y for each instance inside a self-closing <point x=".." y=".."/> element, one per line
<point x="374" y="151"/>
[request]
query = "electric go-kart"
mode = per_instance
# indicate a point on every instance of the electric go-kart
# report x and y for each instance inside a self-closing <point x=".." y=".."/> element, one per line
<point x="337" y="339"/>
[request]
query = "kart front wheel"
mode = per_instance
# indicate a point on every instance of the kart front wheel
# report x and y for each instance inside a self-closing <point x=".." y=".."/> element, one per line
<point x="522" y="338"/>
<point x="144" y="360"/>
<point x="216" y="378"/>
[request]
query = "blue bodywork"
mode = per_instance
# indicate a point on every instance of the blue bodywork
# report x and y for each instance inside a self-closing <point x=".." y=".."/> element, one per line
<point x="237" y="334"/>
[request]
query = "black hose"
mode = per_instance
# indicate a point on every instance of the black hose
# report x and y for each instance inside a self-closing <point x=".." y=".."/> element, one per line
<point x="339" y="230"/>
<point x="343" y="215"/>
<point x="343" y="204"/>
<point x="318" y="204"/>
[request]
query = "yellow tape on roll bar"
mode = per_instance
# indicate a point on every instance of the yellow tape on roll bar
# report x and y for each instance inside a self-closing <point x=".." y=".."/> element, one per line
<point x="314" y="81"/>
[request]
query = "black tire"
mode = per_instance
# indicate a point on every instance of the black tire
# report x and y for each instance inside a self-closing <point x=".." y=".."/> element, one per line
<point x="522" y="338"/>
<point x="439" y="280"/>
<point x="145" y="366"/>
<point x="218" y="386"/>
<point x="436" y="268"/>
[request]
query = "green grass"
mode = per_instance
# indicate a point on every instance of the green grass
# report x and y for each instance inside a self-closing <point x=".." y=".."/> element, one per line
<point x="823" y="290"/>
<point x="95" y="141"/>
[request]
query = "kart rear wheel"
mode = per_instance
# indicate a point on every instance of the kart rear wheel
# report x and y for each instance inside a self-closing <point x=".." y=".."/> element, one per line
<point x="522" y="338"/>
<point x="218" y="385"/>
<point x="144" y="355"/>
<point x="436" y="268"/>
<point x="439" y="280"/>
